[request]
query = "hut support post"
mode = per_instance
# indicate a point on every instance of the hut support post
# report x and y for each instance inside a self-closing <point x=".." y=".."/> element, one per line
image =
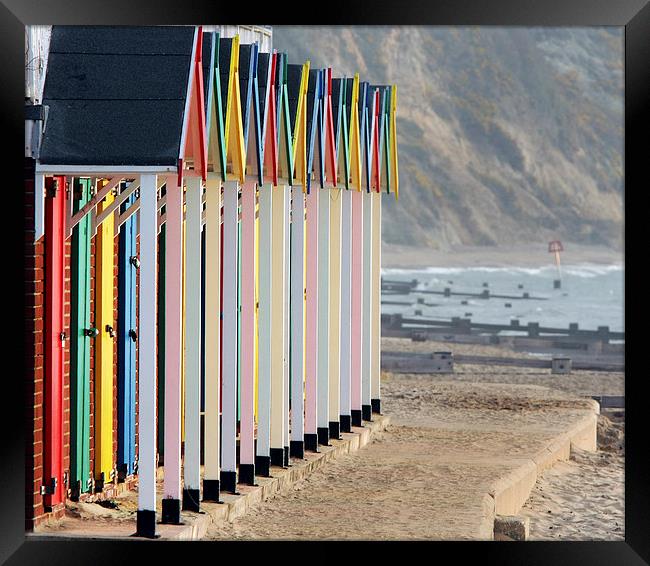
<point x="286" y="305"/>
<point x="335" y="312"/>
<point x="323" y="315"/>
<point x="228" y="474"/>
<point x="248" y="277"/>
<point x="191" y="471"/>
<point x="211" y="432"/>
<point x="263" y="454"/>
<point x="375" y="369"/>
<point x="356" y="334"/>
<point x="297" y="447"/>
<point x="278" y="313"/>
<point x="366" y="328"/>
<point x="311" y="322"/>
<point x="346" y="310"/>
<point x="171" y="503"/>
<point x="146" y="515"/>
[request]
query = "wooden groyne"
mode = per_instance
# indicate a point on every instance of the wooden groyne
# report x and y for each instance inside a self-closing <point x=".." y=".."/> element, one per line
<point x="399" y="325"/>
<point x="408" y="287"/>
<point x="415" y="362"/>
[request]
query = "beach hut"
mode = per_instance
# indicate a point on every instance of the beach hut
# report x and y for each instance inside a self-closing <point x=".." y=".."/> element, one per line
<point x="297" y="90"/>
<point x="216" y="164"/>
<point x="249" y="262"/>
<point x="279" y="434"/>
<point x="354" y="109"/>
<point x="124" y="103"/>
<point x="264" y="163"/>
<point x="332" y="102"/>
<point x="316" y="89"/>
<point x="235" y="175"/>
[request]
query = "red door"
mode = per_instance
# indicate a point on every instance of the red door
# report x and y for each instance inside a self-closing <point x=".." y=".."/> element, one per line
<point x="53" y="487"/>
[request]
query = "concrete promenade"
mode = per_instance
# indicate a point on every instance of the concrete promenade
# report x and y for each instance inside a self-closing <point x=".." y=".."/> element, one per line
<point x="454" y="457"/>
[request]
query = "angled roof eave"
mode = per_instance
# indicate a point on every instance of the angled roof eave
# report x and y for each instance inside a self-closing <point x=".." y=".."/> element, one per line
<point x="194" y="116"/>
<point x="270" y="164"/>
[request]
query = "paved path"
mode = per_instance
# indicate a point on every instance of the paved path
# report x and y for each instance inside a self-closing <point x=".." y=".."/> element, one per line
<point x="456" y="454"/>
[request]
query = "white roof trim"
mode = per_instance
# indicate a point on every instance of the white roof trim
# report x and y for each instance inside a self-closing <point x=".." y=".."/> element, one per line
<point x="109" y="170"/>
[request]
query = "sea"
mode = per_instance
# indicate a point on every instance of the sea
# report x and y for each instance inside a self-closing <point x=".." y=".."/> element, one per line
<point x="591" y="295"/>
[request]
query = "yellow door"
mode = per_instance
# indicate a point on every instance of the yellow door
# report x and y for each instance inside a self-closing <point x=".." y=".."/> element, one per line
<point x="104" y="296"/>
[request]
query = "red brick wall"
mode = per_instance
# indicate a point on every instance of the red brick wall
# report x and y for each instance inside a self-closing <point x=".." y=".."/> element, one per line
<point x="34" y="271"/>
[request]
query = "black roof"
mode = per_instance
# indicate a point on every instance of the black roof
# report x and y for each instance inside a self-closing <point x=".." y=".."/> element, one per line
<point x="116" y="95"/>
<point x="246" y="74"/>
<point x="311" y="103"/>
<point x="336" y="109"/>
<point x="263" y="62"/>
<point x="294" y="74"/>
<point x="206" y="60"/>
<point x="225" y="48"/>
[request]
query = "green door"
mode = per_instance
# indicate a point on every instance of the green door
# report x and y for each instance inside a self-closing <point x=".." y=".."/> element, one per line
<point x="80" y="478"/>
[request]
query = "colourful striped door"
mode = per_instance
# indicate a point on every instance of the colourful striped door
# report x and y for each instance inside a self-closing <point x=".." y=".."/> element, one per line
<point x="126" y="343"/>
<point x="52" y="488"/>
<point x="104" y="295"/>
<point x="80" y="480"/>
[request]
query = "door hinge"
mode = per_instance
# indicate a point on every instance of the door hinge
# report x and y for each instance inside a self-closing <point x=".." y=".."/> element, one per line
<point x="49" y="488"/>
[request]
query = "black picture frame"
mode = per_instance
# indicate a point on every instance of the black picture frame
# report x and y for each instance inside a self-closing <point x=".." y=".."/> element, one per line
<point x="634" y="15"/>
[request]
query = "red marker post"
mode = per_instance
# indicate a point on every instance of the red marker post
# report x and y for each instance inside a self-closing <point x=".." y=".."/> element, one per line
<point x="555" y="247"/>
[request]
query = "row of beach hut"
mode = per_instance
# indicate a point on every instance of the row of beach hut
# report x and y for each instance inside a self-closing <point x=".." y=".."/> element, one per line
<point x="211" y="220"/>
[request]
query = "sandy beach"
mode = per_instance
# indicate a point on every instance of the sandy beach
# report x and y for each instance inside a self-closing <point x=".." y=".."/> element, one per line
<point x="584" y="498"/>
<point x="401" y="491"/>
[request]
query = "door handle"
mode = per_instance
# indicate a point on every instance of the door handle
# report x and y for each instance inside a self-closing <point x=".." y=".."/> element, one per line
<point x="110" y="330"/>
<point x="91" y="332"/>
<point x="133" y="334"/>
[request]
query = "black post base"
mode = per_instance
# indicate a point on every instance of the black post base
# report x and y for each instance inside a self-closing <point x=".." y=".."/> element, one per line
<point x="356" y="417"/>
<point x="346" y="423"/>
<point x="191" y="499"/>
<point x="323" y="435"/>
<point x="171" y="511"/>
<point x="75" y="490"/>
<point x="297" y="449"/>
<point x="335" y="430"/>
<point x="247" y="474"/>
<point x="211" y="491"/>
<point x="366" y="412"/>
<point x="263" y="466"/>
<point x="286" y="456"/>
<point x="376" y="406"/>
<point x="122" y="472"/>
<point x="146" y="524"/>
<point x="229" y="482"/>
<point x="311" y="442"/>
<point x="277" y="457"/>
